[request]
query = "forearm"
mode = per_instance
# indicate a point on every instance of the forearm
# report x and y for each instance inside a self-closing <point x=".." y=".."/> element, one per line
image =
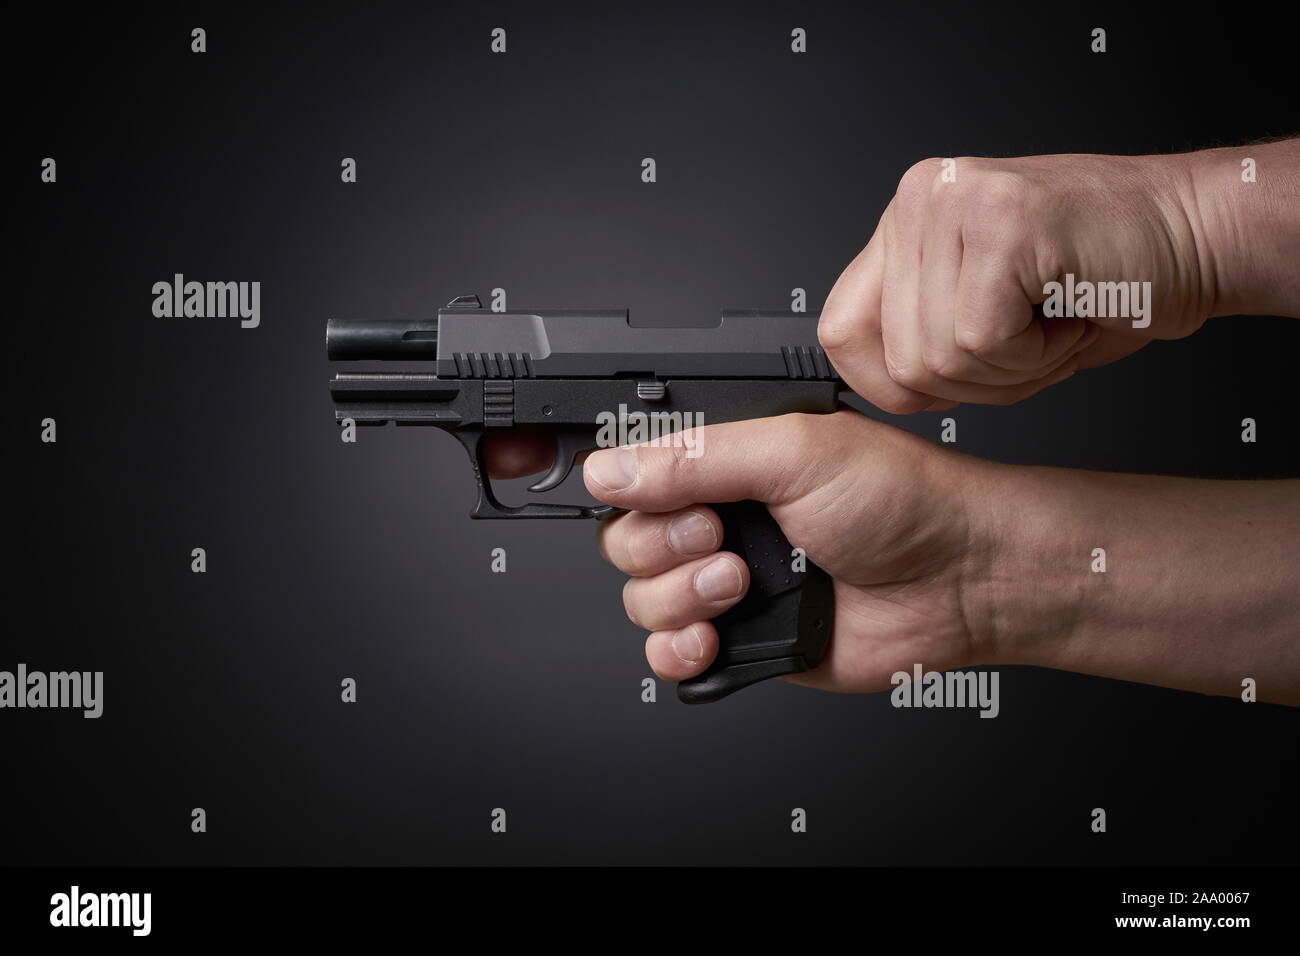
<point x="1200" y="587"/>
<point x="1247" y="225"/>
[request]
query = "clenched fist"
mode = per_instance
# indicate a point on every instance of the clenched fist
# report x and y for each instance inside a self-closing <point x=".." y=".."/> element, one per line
<point x="944" y="303"/>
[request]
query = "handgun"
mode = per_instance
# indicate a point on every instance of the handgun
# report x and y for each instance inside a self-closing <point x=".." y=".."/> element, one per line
<point x="476" y="372"/>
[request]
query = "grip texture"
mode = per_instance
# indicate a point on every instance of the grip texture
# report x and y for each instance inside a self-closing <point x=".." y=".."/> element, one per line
<point x="783" y="623"/>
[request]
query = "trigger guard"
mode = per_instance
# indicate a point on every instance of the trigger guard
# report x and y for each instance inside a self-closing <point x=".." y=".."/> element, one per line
<point x="487" y="505"/>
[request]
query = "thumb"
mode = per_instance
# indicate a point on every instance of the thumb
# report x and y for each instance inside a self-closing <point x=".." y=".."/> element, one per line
<point x="774" y="460"/>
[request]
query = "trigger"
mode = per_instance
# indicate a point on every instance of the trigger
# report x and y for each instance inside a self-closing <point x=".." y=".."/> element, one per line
<point x="568" y="446"/>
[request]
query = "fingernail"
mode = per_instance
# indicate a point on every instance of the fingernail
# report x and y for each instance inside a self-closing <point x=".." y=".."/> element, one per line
<point x="691" y="533"/>
<point x="718" y="580"/>
<point x="614" y="469"/>
<point x="687" y="645"/>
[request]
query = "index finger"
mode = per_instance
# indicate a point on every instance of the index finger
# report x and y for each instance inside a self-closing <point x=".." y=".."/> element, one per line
<point x="518" y="453"/>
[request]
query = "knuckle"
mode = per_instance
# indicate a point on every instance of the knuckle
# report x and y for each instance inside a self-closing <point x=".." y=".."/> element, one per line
<point x="939" y="363"/>
<point x="663" y="464"/>
<point x="1049" y="254"/>
<point x="916" y="184"/>
<point x="973" y="338"/>
<point x="605" y="542"/>
<point x="649" y="606"/>
<point x="677" y="465"/>
<point x="630" y="602"/>
<point x="995" y="209"/>
<point x="905" y="372"/>
<point x="915" y="377"/>
<point x="836" y="335"/>
<point x="1000" y="191"/>
<point x="640" y="550"/>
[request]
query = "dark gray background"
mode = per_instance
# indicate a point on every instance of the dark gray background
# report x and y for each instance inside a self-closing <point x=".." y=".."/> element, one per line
<point x="522" y="690"/>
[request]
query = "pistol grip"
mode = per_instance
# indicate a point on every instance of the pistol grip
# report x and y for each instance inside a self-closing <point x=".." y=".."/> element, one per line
<point x="783" y="623"/>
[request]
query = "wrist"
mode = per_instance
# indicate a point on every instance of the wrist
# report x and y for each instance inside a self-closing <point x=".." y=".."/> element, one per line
<point x="1026" y="576"/>
<point x="1190" y="224"/>
<point x="1202" y="176"/>
<point x="1241" y="203"/>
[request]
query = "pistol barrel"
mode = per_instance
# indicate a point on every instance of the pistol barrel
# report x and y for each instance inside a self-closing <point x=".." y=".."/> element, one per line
<point x="347" y="339"/>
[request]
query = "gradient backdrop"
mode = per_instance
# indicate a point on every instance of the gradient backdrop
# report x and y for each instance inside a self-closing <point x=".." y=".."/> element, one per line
<point x="522" y="690"/>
